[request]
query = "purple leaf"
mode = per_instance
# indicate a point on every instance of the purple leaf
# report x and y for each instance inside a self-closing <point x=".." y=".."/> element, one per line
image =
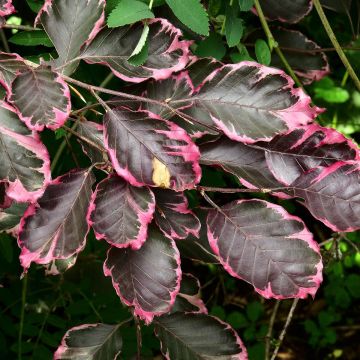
<point x="189" y="298"/>
<point x="90" y="342"/>
<point x="147" y="150"/>
<point x="166" y="54"/>
<point x="251" y="102"/>
<point x="70" y="24"/>
<point x="6" y="7"/>
<point x="24" y="160"/>
<point x="55" y="227"/>
<point x="290" y="11"/>
<point x="172" y="215"/>
<point x="332" y="194"/>
<point x="121" y="213"/>
<point x="5" y="201"/>
<point x="10" y="217"/>
<point x="94" y="132"/>
<point x="10" y="65"/>
<point x="198" y="336"/>
<point x="262" y="244"/>
<point x="41" y="97"/>
<point x="147" y="279"/>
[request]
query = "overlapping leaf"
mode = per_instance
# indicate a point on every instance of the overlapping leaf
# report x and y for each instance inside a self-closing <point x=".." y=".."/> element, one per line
<point x="24" y="160"/>
<point x="55" y="227"/>
<point x="70" y="24"/>
<point x="10" y="64"/>
<point x="182" y="337"/>
<point x="166" y="52"/>
<point x="90" y="342"/>
<point x="146" y="150"/>
<point x="188" y="298"/>
<point x="121" y="213"/>
<point x="6" y="7"/>
<point x="10" y="217"/>
<point x="262" y="244"/>
<point x="147" y="279"/>
<point x="172" y="215"/>
<point x="290" y="11"/>
<point x="41" y="97"/>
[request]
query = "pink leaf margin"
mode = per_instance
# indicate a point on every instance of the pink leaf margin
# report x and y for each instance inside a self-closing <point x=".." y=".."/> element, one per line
<point x="27" y="256"/>
<point x="304" y="235"/>
<point x="144" y="218"/>
<point x="148" y="316"/>
<point x="295" y="116"/>
<point x="16" y="189"/>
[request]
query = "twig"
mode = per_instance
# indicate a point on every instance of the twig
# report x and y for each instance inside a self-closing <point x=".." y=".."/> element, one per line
<point x="18" y="27"/>
<point x="283" y="331"/>
<point x="22" y="314"/>
<point x="271" y="326"/>
<point x="138" y="337"/>
<point x="71" y="151"/>
<point x="335" y="43"/>
<point x="236" y="190"/>
<point x="4" y="41"/>
<point x="311" y="51"/>
<point x="274" y="45"/>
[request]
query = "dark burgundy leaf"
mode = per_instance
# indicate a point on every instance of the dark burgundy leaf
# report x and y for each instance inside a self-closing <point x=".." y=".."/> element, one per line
<point x="6" y="7"/>
<point x="120" y="213"/>
<point x="10" y="217"/>
<point x="5" y="201"/>
<point x="24" y="160"/>
<point x="10" y="65"/>
<point x="147" y="150"/>
<point x="189" y="298"/>
<point x="251" y="102"/>
<point x="290" y="11"/>
<point x="291" y="155"/>
<point x="189" y="336"/>
<point x="94" y="132"/>
<point x="90" y="342"/>
<point x="262" y="244"/>
<point x="332" y="194"/>
<point x="55" y="227"/>
<point x="172" y="215"/>
<point x="69" y="25"/>
<point x="147" y="279"/>
<point x="166" y="53"/>
<point x="41" y="97"/>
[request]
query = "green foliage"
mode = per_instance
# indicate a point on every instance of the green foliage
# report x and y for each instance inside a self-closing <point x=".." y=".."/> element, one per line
<point x="192" y="14"/>
<point x="31" y="38"/>
<point x="262" y="52"/>
<point x="127" y="12"/>
<point x="326" y="90"/>
<point x="212" y="46"/>
<point x="246" y="5"/>
<point x="234" y="27"/>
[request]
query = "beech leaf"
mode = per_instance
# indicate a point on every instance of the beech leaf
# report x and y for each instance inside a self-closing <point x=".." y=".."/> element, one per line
<point x="55" y="227"/>
<point x="6" y="7"/>
<point x="248" y="235"/>
<point x="147" y="279"/>
<point x="10" y="65"/>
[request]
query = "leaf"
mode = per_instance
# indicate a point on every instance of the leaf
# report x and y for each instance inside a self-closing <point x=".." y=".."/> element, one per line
<point x="10" y="65"/>
<point x="246" y="5"/>
<point x="332" y="194"/>
<point x="24" y="160"/>
<point x="182" y="336"/>
<point x="142" y="42"/>
<point x="6" y="7"/>
<point x="212" y="46"/>
<point x="90" y="342"/>
<point x="188" y="298"/>
<point x="113" y="47"/>
<point x="10" y="217"/>
<point x="172" y="215"/>
<point x="262" y="52"/>
<point x="31" y="38"/>
<point x="309" y="65"/>
<point x="128" y="12"/>
<point x="70" y="24"/>
<point x="341" y="6"/>
<point x="147" y="279"/>
<point x="49" y="103"/>
<point x="234" y="28"/>
<point x="192" y="14"/>
<point x="55" y="227"/>
<point x="120" y="213"/>
<point x="35" y="5"/>
<point x="261" y="104"/>
<point x="95" y="133"/>
<point x="262" y="244"/>
<point x="146" y="150"/>
<point x="290" y="11"/>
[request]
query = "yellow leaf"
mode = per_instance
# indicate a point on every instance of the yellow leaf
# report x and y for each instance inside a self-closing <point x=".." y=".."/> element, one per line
<point x="161" y="174"/>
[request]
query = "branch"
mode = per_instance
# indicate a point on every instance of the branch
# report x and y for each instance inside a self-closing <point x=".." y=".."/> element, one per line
<point x="283" y="331"/>
<point x="270" y="330"/>
<point x="19" y="27"/>
<point x="335" y="43"/>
